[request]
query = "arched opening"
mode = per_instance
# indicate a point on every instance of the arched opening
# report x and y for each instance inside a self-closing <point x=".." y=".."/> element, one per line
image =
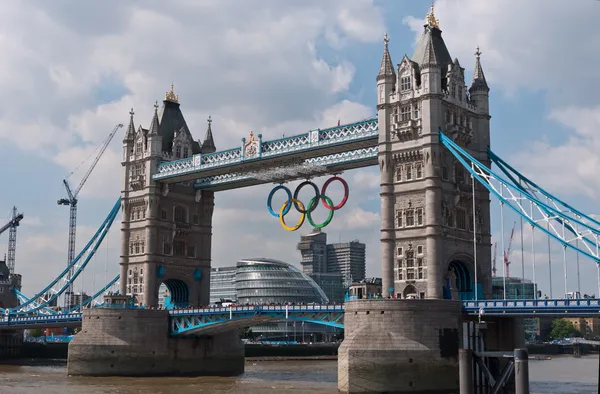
<point x="458" y="282"/>
<point x="173" y="293"/>
<point x="409" y="292"/>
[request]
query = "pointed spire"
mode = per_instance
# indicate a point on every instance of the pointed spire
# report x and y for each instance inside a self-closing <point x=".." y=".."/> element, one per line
<point x="130" y="134"/>
<point x="479" y="82"/>
<point x="429" y="56"/>
<point x="387" y="68"/>
<point x="154" y="124"/>
<point x="208" y="146"/>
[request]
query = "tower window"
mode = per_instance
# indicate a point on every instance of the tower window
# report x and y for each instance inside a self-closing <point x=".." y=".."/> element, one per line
<point x="400" y="276"/>
<point x="191" y="251"/>
<point x="420" y="249"/>
<point x="410" y="258"/>
<point x="460" y="93"/>
<point x="405" y="113"/>
<point x="163" y="214"/>
<point x="398" y="173"/>
<point x="421" y="275"/>
<point x="185" y="153"/>
<point x="459" y="174"/>
<point x="399" y="251"/>
<point x="461" y="219"/>
<point x="178" y="152"/>
<point x="166" y="248"/>
<point x="416" y="111"/>
<point x="180" y="214"/>
<point x="419" y="170"/>
<point x="420" y="217"/>
<point x="409" y="172"/>
<point x="405" y="83"/>
<point x="196" y="218"/>
<point x="410" y="274"/>
<point x="410" y="218"/>
<point x="178" y="248"/>
<point x="399" y="219"/>
<point x="453" y="90"/>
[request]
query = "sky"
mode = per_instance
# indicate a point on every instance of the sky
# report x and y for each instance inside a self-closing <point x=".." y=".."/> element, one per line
<point x="70" y="71"/>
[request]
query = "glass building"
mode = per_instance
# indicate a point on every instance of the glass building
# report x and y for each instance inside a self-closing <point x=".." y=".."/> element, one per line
<point x="222" y="284"/>
<point x="517" y="289"/>
<point x="266" y="281"/>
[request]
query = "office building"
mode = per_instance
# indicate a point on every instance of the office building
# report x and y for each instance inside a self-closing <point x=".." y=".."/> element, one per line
<point x="222" y="284"/>
<point x="332" y="266"/>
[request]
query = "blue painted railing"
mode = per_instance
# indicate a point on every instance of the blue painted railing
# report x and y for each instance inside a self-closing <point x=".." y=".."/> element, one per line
<point x="524" y="308"/>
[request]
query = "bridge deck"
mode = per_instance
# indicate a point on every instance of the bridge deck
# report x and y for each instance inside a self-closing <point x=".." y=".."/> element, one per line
<point x="329" y="150"/>
<point x="195" y="320"/>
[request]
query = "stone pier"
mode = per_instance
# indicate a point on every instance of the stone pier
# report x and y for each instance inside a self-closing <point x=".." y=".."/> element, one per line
<point x="136" y="342"/>
<point x="400" y="346"/>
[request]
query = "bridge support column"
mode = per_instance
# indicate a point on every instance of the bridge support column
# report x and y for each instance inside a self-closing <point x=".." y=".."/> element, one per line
<point x="136" y="342"/>
<point x="400" y="346"/>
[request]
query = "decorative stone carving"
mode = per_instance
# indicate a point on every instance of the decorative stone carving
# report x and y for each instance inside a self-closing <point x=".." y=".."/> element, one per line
<point x="251" y="147"/>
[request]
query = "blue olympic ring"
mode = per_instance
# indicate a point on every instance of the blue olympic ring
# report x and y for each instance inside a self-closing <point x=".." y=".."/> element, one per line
<point x="270" y="200"/>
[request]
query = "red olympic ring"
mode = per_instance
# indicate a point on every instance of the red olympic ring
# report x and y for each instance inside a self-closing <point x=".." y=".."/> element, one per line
<point x="324" y="190"/>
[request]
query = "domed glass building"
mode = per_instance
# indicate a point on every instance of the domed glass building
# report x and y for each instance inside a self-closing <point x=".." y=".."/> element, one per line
<point x="266" y="281"/>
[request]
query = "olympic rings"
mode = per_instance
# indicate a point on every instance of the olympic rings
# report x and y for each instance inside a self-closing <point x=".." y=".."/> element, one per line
<point x="288" y="204"/>
<point x="270" y="200"/>
<point x="315" y="200"/>
<point x="306" y="211"/>
<point x="346" y="193"/>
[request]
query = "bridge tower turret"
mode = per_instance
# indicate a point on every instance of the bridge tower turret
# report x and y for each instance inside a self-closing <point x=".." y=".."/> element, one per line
<point x="166" y="228"/>
<point x="426" y="199"/>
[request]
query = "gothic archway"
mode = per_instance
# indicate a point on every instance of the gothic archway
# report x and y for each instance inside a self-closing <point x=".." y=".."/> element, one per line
<point x="176" y="294"/>
<point x="409" y="290"/>
<point x="458" y="283"/>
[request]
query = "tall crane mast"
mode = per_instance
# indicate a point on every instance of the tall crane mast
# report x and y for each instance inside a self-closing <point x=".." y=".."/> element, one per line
<point x="12" y="238"/>
<point x="507" y="252"/>
<point x="71" y="201"/>
<point x="494" y="259"/>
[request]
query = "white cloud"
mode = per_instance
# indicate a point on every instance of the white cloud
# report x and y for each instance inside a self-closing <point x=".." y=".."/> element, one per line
<point x="251" y="68"/>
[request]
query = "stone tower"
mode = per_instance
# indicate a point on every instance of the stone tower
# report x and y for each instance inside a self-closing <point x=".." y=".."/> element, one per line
<point x="166" y="228"/>
<point x="426" y="195"/>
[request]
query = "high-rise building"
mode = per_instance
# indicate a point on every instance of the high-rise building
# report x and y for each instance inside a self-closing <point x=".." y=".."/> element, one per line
<point x="313" y="248"/>
<point x="332" y="266"/>
<point x="347" y="259"/>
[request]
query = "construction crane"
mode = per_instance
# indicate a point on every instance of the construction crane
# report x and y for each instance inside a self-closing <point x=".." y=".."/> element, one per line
<point x="507" y="252"/>
<point x="72" y="202"/>
<point x="494" y="259"/>
<point x="12" y="238"/>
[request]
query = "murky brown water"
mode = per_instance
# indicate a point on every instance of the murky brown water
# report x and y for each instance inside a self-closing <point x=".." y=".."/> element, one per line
<point x="557" y="376"/>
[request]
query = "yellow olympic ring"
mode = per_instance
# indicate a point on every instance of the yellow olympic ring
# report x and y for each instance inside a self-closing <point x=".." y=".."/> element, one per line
<point x="281" y="215"/>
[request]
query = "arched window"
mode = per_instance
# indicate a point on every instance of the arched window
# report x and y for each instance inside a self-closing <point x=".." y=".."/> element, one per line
<point x="180" y="214"/>
<point x="185" y="153"/>
<point x="178" y="152"/>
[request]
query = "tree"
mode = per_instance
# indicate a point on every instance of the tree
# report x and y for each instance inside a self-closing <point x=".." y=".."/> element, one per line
<point x="562" y="328"/>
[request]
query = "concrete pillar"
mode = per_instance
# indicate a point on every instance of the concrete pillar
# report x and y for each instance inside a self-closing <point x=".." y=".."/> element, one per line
<point x="388" y="236"/>
<point x="136" y="342"/>
<point x="392" y="346"/>
<point x="435" y="259"/>
<point x="521" y="371"/>
<point x="465" y="368"/>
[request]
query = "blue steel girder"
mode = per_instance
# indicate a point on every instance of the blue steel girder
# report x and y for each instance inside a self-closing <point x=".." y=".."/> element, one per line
<point x="329" y="164"/>
<point x="256" y="154"/>
<point x="212" y="320"/>
<point x="564" y="226"/>
<point x="533" y="308"/>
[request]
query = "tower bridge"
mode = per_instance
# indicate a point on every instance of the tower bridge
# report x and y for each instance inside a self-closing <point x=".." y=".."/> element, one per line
<point x="431" y="142"/>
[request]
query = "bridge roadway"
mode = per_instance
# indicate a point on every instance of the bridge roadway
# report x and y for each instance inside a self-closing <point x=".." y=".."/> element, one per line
<point x="208" y="321"/>
<point x="317" y="152"/>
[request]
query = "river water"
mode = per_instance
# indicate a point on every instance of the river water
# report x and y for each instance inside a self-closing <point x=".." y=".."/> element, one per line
<point x="559" y="375"/>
